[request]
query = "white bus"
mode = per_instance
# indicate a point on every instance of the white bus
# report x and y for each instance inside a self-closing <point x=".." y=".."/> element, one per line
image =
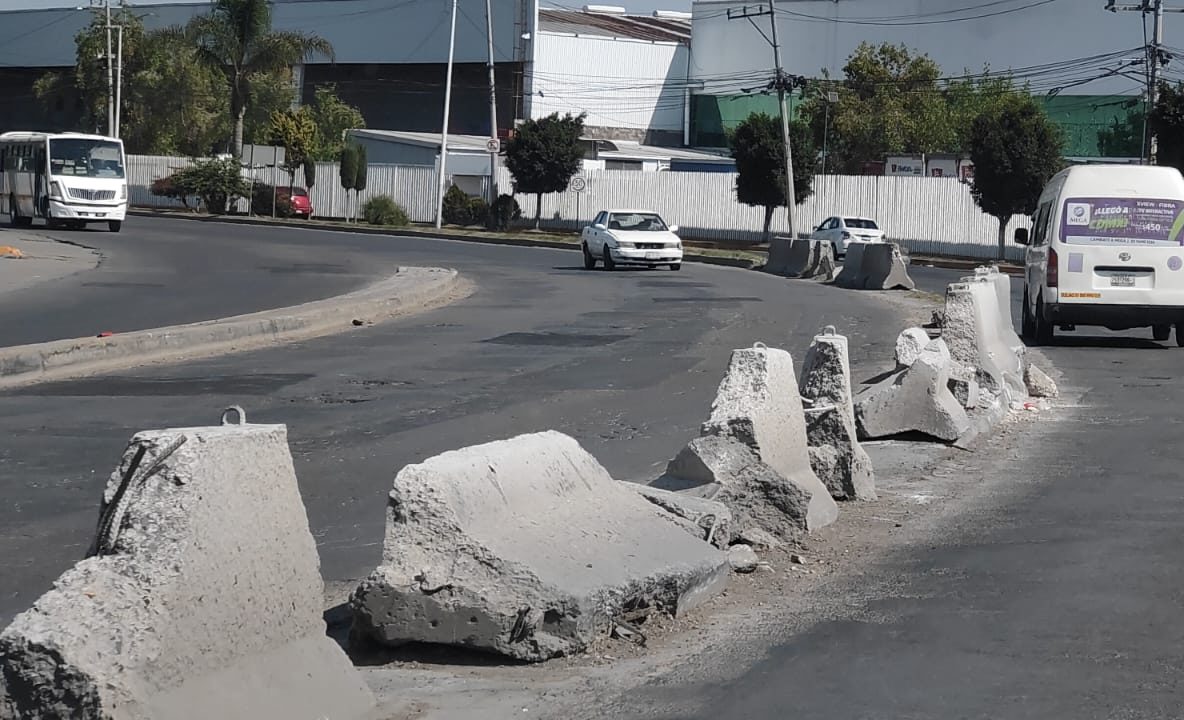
<point x="69" y="179"/>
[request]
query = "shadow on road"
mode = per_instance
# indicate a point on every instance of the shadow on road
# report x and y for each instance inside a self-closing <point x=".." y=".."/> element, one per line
<point x="1104" y="342"/>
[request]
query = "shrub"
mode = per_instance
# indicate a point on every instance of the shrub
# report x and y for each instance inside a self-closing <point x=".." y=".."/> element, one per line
<point x="478" y="211"/>
<point x="261" y="197"/>
<point x="456" y="207"/>
<point x="217" y="182"/>
<point x="168" y="187"/>
<point x="504" y="212"/>
<point x="382" y="210"/>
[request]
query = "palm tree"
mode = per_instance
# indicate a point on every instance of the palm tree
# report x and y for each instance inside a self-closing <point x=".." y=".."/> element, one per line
<point x="236" y="38"/>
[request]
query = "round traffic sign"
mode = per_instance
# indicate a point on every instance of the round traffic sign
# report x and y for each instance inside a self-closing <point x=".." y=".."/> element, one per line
<point x="493" y="145"/>
<point x="578" y="184"/>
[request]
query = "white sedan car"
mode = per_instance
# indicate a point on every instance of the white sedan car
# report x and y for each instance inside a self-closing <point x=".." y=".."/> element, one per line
<point x="840" y="230"/>
<point x="630" y="237"/>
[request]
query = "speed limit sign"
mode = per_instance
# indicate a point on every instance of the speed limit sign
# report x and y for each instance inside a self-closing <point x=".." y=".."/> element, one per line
<point x="578" y="184"/>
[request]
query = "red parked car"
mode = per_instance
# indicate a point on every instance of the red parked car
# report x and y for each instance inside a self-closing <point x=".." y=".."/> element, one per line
<point x="298" y="198"/>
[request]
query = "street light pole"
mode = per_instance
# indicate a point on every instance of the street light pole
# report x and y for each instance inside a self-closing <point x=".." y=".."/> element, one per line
<point x="118" y="80"/>
<point x="444" y="132"/>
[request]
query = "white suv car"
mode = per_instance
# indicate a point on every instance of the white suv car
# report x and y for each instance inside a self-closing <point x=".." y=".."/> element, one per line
<point x="630" y="237"/>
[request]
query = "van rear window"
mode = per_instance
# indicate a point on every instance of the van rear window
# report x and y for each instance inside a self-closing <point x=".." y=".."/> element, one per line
<point x="1123" y="221"/>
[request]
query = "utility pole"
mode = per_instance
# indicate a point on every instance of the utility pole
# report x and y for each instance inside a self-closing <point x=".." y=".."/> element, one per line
<point x="494" y="144"/>
<point x="781" y="82"/>
<point x="1156" y="57"/>
<point x="444" y="132"/>
<point x="118" y="80"/>
<point x="110" y="71"/>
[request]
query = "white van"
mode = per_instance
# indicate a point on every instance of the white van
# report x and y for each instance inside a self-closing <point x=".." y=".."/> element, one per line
<point x="1106" y="249"/>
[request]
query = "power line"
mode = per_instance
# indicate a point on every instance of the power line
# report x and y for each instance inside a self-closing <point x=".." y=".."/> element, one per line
<point x="914" y="22"/>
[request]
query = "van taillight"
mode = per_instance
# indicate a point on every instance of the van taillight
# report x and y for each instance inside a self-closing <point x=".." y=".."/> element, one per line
<point x="1053" y="274"/>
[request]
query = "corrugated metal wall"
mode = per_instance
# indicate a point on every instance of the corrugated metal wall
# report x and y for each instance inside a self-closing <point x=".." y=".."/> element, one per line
<point x="927" y="215"/>
<point x="618" y="83"/>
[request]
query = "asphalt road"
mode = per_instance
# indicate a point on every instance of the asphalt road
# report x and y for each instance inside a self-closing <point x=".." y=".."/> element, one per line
<point x="625" y="362"/>
<point x="1058" y="596"/>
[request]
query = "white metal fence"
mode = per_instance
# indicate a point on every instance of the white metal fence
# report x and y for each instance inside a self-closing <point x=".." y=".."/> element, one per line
<point x="927" y="215"/>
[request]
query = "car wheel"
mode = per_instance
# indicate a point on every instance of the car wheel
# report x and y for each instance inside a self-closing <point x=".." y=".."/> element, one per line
<point x="589" y="258"/>
<point x="1044" y="332"/>
<point x="609" y="263"/>
<point x="114" y="225"/>
<point x="676" y="266"/>
<point x="1161" y="332"/>
<point x="1179" y="335"/>
<point x="1027" y="329"/>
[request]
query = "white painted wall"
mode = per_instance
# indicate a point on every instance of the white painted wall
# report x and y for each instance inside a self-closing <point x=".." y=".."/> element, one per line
<point x="617" y="82"/>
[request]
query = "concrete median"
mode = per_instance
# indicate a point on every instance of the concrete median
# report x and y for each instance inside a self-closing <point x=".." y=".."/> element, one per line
<point x="408" y="291"/>
<point x="874" y="266"/>
<point x="914" y="400"/>
<point x="804" y="259"/>
<point x="525" y="547"/>
<point x="979" y="334"/>
<point x="201" y="596"/>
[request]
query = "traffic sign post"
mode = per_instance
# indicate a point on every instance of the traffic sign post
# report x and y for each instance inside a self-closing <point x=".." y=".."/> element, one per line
<point x="577" y="185"/>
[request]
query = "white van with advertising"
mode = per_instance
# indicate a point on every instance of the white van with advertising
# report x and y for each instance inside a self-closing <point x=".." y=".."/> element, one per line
<point x="1106" y="249"/>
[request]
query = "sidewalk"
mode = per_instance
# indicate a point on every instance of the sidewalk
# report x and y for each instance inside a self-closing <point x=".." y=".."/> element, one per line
<point x="41" y="260"/>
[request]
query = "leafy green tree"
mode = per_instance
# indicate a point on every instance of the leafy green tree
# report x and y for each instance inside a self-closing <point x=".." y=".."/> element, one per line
<point x="1015" y="150"/>
<point x="759" y="152"/>
<point x="296" y="131"/>
<point x="890" y="102"/>
<point x="543" y="155"/>
<point x="1123" y="138"/>
<point x="236" y="38"/>
<point x="1167" y="121"/>
<point x="968" y="98"/>
<point x="332" y="117"/>
<point x="217" y="182"/>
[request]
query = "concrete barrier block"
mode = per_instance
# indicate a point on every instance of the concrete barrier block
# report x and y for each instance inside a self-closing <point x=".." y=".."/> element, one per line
<point x="914" y="400"/>
<point x="758" y="405"/>
<point x="202" y="596"/>
<point x="759" y="497"/>
<point x="707" y="520"/>
<point x="779" y="260"/>
<point x="976" y="335"/>
<point x="525" y="547"/>
<point x="836" y="456"/>
<point x="875" y="266"/>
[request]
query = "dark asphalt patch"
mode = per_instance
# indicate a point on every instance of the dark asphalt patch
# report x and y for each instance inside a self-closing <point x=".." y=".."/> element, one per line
<point x="115" y="284"/>
<point x="673" y="284"/>
<point x="728" y="299"/>
<point x="305" y="268"/>
<point x="556" y="339"/>
<point x="117" y="386"/>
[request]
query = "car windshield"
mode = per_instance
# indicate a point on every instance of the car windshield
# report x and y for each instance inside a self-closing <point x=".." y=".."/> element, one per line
<point x="636" y="222"/>
<point x="860" y="224"/>
<point x="86" y="158"/>
<point x="300" y="192"/>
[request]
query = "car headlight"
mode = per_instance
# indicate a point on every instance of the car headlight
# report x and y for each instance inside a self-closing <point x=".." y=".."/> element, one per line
<point x="123" y="191"/>
<point x="55" y="190"/>
<point x="624" y="244"/>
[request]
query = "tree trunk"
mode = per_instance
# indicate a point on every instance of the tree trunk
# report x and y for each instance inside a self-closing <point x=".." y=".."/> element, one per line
<point x="767" y="235"/>
<point x="238" y="108"/>
<point x="1003" y="239"/>
<point x="538" y="210"/>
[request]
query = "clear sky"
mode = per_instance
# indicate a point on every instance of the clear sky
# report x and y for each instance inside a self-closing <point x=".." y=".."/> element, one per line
<point x="637" y="6"/>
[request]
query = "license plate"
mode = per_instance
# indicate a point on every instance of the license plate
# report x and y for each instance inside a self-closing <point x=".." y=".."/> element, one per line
<point x="653" y="255"/>
<point x="1122" y="280"/>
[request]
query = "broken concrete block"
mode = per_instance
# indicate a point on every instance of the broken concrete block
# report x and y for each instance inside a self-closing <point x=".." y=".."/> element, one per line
<point x="758" y="405"/>
<point x="975" y="334"/>
<point x="835" y="453"/>
<point x="1039" y="384"/>
<point x="743" y="558"/>
<point x="705" y="519"/>
<point x="826" y="372"/>
<point x="730" y="472"/>
<point x="202" y="597"/>
<point x="875" y="266"/>
<point x="909" y="345"/>
<point x="525" y="547"/>
<point x="837" y="457"/>
<point x="914" y="400"/>
<point x="759" y="539"/>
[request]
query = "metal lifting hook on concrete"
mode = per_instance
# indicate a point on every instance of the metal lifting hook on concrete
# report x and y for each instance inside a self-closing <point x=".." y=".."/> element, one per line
<point x="242" y="415"/>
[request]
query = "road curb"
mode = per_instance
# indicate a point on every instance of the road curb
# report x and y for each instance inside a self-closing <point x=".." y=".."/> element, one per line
<point x="408" y="291"/>
<point x="419" y="233"/>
